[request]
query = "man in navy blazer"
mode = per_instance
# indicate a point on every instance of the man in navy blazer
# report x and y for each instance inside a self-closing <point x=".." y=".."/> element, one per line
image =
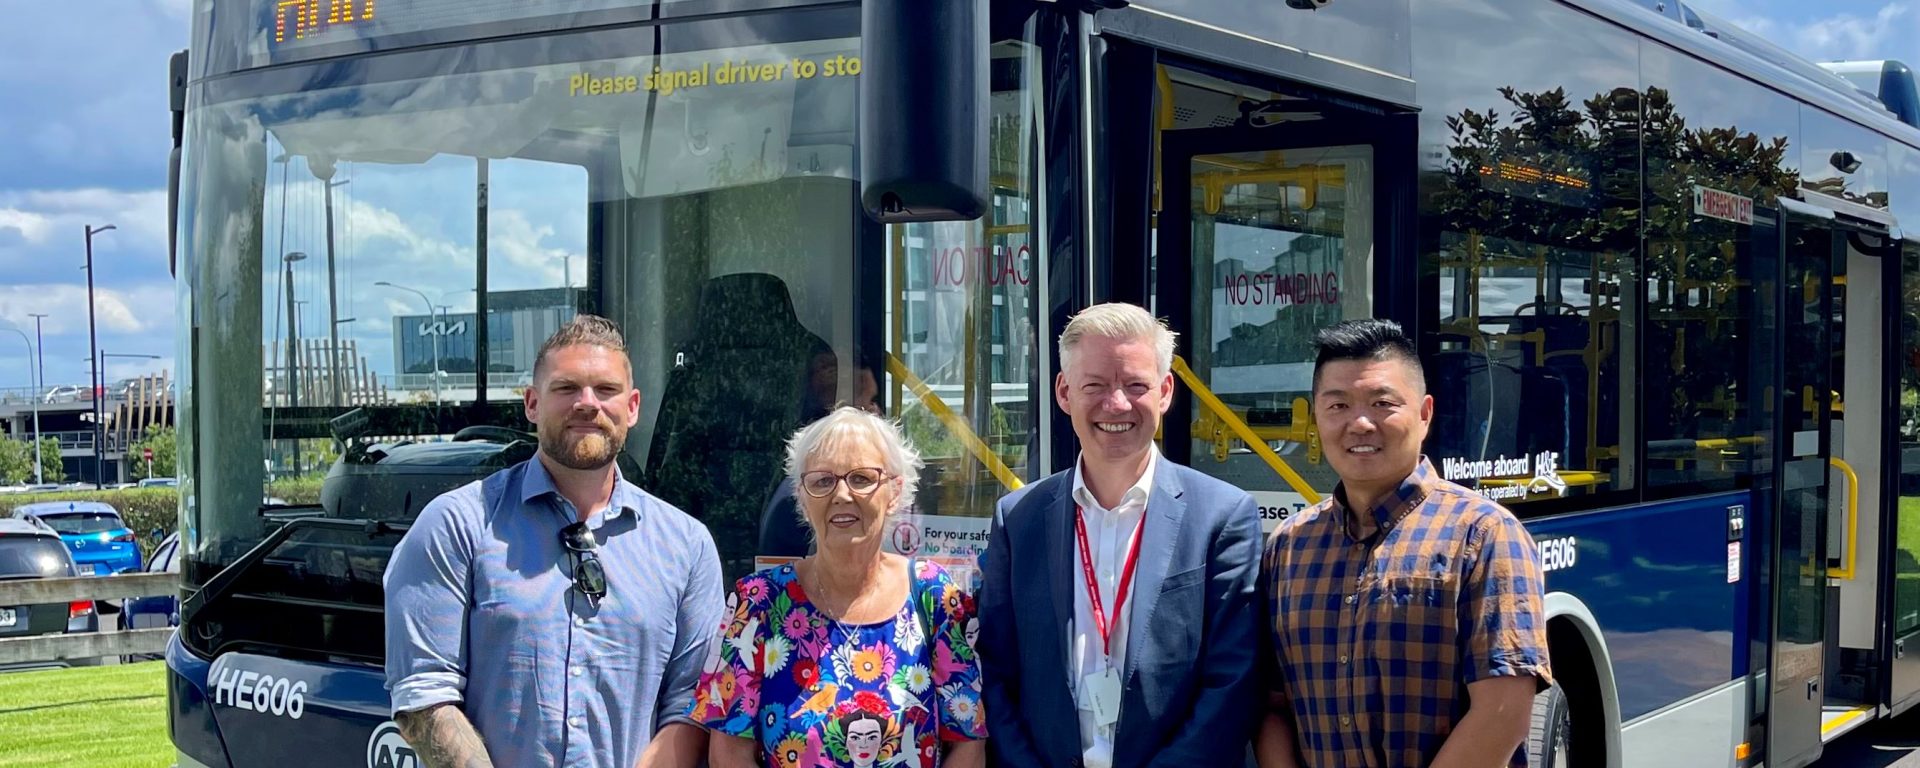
<point x="1118" y="627"/>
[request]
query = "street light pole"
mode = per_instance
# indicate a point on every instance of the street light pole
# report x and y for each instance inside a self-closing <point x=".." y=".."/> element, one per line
<point x="33" y="379"/>
<point x="293" y="346"/>
<point x="40" y="384"/>
<point x="93" y="340"/>
<point x="435" y="376"/>
<point x="333" y="301"/>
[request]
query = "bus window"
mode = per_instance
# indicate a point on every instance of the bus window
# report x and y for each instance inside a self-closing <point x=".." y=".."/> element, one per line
<point x="1712" y="163"/>
<point x="1534" y="309"/>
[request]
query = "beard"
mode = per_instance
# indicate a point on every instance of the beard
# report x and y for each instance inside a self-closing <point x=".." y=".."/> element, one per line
<point x="583" y="451"/>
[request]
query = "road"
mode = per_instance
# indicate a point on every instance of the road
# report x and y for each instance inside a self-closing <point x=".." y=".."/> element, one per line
<point x="1884" y="744"/>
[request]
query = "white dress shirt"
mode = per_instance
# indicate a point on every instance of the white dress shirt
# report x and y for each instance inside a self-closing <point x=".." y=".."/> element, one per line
<point x="1110" y="533"/>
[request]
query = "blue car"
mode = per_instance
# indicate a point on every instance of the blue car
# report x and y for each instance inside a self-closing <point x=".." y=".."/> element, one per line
<point x="155" y="611"/>
<point x="100" y="541"/>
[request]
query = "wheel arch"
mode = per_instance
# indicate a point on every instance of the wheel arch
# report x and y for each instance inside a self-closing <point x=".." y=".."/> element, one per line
<point x="1582" y="665"/>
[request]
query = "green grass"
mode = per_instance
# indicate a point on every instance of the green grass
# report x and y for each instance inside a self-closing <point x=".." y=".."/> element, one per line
<point x="109" y="717"/>
<point x="1906" y="584"/>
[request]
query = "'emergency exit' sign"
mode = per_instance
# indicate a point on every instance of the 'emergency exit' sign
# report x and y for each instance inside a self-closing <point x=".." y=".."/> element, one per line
<point x="1726" y="206"/>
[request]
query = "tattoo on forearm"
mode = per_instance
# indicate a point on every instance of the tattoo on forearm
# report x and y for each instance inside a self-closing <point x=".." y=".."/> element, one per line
<point x="442" y="737"/>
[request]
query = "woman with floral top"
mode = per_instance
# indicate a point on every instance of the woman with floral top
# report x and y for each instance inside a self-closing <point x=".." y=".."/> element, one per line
<point x="851" y="657"/>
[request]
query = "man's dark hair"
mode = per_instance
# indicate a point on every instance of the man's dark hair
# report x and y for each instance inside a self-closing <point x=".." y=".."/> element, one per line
<point x="1366" y="339"/>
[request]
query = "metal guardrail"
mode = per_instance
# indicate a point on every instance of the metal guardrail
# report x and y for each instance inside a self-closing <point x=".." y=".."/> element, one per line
<point x="85" y="645"/>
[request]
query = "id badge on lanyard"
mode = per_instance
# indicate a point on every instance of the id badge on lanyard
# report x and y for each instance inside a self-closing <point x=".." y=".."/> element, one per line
<point x="1102" y="689"/>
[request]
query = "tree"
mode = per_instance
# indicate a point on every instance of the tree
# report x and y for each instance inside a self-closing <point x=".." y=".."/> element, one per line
<point x="16" y="461"/>
<point x="161" y="441"/>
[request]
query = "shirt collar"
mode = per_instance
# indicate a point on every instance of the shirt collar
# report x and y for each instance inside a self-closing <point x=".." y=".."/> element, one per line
<point x="1140" y="491"/>
<point x="1393" y="507"/>
<point x="537" y="482"/>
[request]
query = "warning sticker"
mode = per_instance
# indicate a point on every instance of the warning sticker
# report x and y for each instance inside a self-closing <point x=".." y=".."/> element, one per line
<point x="953" y="541"/>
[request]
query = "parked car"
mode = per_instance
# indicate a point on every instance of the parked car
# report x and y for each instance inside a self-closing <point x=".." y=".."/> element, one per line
<point x="31" y="550"/>
<point x="160" y="482"/>
<point x="99" y="539"/>
<point x="155" y="611"/>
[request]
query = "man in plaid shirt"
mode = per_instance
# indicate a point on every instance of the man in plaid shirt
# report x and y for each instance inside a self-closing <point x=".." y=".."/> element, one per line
<point x="1406" y="612"/>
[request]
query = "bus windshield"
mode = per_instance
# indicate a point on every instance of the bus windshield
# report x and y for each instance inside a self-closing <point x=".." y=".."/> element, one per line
<point x="376" y="248"/>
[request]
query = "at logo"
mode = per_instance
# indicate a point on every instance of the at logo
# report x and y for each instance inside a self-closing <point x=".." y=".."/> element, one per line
<point x="387" y="749"/>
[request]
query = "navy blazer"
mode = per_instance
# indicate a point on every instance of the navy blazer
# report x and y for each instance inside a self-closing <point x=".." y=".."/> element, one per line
<point x="1191" y="692"/>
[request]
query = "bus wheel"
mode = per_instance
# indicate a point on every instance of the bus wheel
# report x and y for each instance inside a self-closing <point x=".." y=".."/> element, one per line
<point x="1552" y="729"/>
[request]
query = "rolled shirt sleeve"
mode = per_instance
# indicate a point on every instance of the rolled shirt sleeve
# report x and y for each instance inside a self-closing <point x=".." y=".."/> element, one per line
<point x="701" y="609"/>
<point x="1503" y="607"/>
<point x="428" y="595"/>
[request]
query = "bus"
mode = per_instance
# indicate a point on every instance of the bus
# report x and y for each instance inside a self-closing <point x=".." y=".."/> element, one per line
<point x="1656" y="266"/>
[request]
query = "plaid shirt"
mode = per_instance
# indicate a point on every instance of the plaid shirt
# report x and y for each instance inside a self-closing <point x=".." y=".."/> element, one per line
<point x="1380" y="623"/>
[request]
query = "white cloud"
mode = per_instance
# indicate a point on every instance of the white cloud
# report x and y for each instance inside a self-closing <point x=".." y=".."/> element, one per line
<point x="137" y="310"/>
<point x="1848" y="36"/>
<point x="59" y="218"/>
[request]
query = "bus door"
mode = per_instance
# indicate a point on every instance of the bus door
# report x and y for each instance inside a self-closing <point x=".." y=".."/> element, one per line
<point x="1812" y="252"/>
<point x="1858" y="507"/>
<point x="1270" y="223"/>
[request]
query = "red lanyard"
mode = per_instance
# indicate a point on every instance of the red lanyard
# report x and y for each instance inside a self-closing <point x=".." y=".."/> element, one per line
<point x="1093" y="583"/>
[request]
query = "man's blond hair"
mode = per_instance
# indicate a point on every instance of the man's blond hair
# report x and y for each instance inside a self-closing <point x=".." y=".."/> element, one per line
<point x="1121" y="322"/>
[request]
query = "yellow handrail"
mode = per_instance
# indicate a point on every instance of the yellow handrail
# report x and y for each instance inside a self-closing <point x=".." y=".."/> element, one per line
<point x="954" y="424"/>
<point x="1853" y="518"/>
<point x="1226" y="416"/>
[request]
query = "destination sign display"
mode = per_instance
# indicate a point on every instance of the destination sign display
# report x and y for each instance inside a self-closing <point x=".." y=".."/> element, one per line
<point x="288" y="25"/>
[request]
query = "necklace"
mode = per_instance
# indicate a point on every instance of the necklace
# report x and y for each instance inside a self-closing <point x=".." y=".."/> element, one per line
<point x="818" y="594"/>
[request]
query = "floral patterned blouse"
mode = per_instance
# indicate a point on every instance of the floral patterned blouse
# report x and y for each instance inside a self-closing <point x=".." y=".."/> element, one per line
<point x="816" y="693"/>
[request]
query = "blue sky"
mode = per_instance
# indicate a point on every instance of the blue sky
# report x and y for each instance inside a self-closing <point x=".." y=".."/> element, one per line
<point x="84" y="140"/>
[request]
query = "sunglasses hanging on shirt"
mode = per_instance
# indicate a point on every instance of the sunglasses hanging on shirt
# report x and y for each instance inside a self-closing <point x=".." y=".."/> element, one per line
<point x="589" y="576"/>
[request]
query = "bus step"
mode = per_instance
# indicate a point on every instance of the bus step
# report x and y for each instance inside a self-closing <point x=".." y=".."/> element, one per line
<point x="1837" y="720"/>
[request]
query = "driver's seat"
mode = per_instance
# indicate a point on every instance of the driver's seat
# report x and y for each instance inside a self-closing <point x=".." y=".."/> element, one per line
<point x="735" y="395"/>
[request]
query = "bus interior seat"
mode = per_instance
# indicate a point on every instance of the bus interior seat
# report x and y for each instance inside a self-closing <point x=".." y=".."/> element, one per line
<point x="735" y="395"/>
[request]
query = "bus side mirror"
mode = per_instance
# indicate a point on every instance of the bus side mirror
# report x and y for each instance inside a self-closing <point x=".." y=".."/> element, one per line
<point x="177" y="104"/>
<point x="923" y="110"/>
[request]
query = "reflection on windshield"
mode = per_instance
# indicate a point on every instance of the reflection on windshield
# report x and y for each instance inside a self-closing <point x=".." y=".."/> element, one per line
<point x="386" y="259"/>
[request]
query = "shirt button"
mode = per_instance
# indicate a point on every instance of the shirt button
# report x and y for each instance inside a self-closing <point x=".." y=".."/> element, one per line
<point x="575" y="722"/>
<point x="579" y="621"/>
<point x="1351" y="599"/>
<point x="577" y="670"/>
<point x="1344" y="720"/>
<point x="1343" y="659"/>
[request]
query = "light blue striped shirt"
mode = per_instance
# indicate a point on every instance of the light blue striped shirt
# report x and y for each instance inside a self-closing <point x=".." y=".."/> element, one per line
<point x="481" y="611"/>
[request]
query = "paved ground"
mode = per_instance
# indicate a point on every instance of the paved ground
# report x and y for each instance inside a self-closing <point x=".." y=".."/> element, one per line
<point x="1884" y="744"/>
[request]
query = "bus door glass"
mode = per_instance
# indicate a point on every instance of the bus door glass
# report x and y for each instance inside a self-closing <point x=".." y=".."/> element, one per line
<point x="1811" y="255"/>
<point x="1266" y="231"/>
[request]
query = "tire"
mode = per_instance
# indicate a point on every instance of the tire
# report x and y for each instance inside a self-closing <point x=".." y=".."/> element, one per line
<point x="1549" y="738"/>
